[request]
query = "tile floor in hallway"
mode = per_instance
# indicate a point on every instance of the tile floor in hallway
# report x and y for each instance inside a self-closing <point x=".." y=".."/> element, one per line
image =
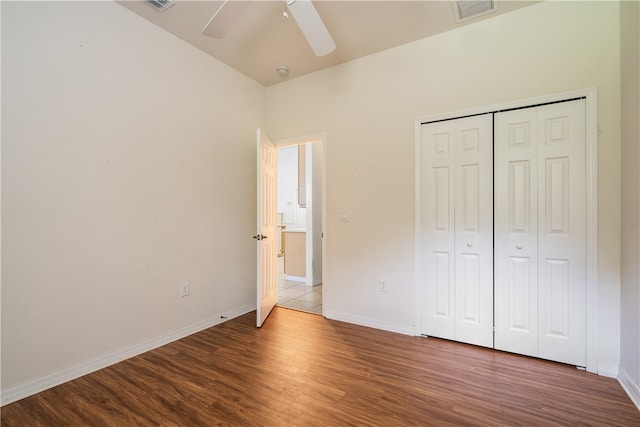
<point x="296" y="295"/>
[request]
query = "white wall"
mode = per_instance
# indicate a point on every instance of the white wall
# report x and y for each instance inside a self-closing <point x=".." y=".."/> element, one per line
<point x="368" y="108"/>
<point x="630" y="307"/>
<point x="128" y="167"/>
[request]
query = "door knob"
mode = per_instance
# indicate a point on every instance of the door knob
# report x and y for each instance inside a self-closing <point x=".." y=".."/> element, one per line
<point x="259" y="237"/>
<point x="469" y="244"/>
<point x="518" y="246"/>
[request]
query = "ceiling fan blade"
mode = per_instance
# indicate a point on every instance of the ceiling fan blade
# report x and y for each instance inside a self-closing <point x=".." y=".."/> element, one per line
<point x="312" y="26"/>
<point x="224" y="18"/>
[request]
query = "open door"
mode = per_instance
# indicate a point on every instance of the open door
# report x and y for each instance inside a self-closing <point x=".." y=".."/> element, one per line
<point x="267" y="280"/>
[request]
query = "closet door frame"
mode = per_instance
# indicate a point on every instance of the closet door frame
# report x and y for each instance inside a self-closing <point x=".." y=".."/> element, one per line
<point x="591" y="132"/>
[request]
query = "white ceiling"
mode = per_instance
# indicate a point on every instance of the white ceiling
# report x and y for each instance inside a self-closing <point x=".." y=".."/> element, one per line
<point x="263" y="40"/>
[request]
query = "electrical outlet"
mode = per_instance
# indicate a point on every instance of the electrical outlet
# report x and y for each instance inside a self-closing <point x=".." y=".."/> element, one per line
<point x="184" y="289"/>
<point x="382" y="285"/>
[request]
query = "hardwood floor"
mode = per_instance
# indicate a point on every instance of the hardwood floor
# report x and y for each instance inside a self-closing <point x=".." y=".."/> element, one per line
<point x="301" y="369"/>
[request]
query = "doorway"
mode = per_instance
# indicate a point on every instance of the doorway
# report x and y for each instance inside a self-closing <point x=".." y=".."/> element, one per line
<point x="300" y="221"/>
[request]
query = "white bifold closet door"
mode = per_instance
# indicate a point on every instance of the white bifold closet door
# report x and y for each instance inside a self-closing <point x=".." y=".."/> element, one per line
<point x="457" y="230"/>
<point x="540" y="232"/>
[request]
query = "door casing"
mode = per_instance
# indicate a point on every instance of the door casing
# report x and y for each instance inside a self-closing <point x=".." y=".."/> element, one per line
<point x="320" y="137"/>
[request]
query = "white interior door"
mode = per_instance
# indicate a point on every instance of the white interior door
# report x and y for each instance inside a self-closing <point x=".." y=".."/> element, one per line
<point x="437" y="251"/>
<point x="267" y="275"/>
<point x="457" y="230"/>
<point x="540" y="232"/>
<point x="562" y="285"/>
<point x="474" y="230"/>
<point x="516" y="231"/>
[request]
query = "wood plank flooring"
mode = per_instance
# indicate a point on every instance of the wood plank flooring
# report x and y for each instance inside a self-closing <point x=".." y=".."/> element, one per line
<point x="300" y="369"/>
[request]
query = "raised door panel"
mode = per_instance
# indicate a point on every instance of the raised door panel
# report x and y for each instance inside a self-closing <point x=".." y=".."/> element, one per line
<point x="520" y="289"/>
<point x="473" y="138"/>
<point x="562" y="237"/>
<point x="441" y="204"/>
<point x="437" y="228"/>
<point x="516" y="233"/>
<point x="442" y="286"/>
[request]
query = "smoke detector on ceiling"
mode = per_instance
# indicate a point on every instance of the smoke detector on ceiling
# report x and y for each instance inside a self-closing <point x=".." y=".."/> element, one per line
<point x="161" y="5"/>
<point x="469" y="9"/>
<point x="283" y="71"/>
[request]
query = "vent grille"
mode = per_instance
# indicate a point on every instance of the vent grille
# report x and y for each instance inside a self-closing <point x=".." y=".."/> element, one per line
<point x="469" y="9"/>
<point x="161" y="5"/>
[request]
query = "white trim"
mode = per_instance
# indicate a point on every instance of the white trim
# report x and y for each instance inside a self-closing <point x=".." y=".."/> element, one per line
<point x="631" y="388"/>
<point x="305" y="139"/>
<point x="310" y="206"/>
<point x="12" y="394"/>
<point x="591" y="179"/>
<point x="418" y="227"/>
<point x="324" y="222"/>
<point x="296" y="279"/>
<point x="608" y="370"/>
<point x="370" y="323"/>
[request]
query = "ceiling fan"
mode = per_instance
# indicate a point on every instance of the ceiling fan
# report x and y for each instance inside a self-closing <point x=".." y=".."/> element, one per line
<point x="303" y="11"/>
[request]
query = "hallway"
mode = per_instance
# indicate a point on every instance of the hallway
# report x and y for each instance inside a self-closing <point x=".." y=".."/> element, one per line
<point x="296" y="295"/>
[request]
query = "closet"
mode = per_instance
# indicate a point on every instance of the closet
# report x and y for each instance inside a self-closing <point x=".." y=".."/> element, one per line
<point x="503" y="230"/>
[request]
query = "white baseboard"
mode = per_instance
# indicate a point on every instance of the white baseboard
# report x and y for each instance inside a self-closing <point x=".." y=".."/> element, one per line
<point x="12" y="394"/>
<point x="362" y="321"/>
<point x="607" y="370"/>
<point x="630" y="387"/>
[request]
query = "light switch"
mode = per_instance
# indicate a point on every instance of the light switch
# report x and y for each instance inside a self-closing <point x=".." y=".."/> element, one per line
<point x="344" y="216"/>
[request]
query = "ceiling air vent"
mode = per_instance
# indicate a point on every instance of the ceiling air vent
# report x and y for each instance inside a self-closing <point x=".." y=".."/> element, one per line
<point x="161" y="5"/>
<point x="469" y="9"/>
